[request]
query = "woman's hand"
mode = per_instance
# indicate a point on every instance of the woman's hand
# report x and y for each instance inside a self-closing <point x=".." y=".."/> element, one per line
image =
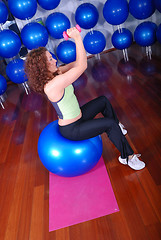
<point x="73" y="33"/>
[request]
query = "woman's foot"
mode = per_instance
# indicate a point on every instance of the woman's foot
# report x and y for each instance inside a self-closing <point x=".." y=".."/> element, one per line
<point x="124" y="131"/>
<point x="133" y="162"/>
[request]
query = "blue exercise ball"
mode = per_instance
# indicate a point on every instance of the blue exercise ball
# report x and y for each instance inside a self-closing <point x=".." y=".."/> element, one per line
<point x="56" y="23"/>
<point x="34" y="35"/>
<point x="15" y="71"/>
<point x="158" y="5"/>
<point x="64" y="157"/>
<point x="122" y="39"/>
<point x="66" y="51"/>
<point x="86" y="15"/>
<point x="3" y="12"/>
<point x="141" y="9"/>
<point x="145" y="34"/>
<point x="23" y="9"/>
<point x="158" y="33"/>
<point x="3" y="85"/>
<point x="54" y="56"/>
<point x="10" y="44"/>
<point x="94" y="42"/>
<point x="116" y="12"/>
<point x="48" y="4"/>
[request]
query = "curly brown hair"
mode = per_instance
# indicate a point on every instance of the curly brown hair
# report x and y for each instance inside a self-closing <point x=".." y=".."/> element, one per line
<point x="36" y="69"/>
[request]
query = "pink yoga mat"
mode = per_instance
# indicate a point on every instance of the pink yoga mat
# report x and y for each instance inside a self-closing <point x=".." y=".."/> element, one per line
<point x="79" y="199"/>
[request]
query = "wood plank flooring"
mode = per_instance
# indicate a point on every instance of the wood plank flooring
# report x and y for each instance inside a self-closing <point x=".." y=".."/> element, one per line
<point x="134" y="89"/>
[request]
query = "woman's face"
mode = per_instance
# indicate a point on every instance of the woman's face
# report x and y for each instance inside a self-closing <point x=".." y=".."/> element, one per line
<point x="51" y="62"/>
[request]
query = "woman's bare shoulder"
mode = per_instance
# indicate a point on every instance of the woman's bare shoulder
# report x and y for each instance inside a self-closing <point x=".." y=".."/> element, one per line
<point x="52" y="90"/>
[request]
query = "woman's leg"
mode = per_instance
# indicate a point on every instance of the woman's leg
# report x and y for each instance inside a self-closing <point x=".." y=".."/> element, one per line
<point x="96" y="127"/>
<point x="88" y="127"/>
<point x="82" y="130"/>
<point x="98" y="105"/>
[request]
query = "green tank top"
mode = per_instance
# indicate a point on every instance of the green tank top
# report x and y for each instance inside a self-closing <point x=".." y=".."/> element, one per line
<point x="67" y="107"/>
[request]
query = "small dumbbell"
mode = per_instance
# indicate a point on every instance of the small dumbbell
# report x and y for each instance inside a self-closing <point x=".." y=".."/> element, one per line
<point x="65" y="35"/>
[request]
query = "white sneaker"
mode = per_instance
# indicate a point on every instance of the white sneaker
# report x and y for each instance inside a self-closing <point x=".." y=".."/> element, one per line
<point x="134" y="162"/>
<point x="124" y="131"/>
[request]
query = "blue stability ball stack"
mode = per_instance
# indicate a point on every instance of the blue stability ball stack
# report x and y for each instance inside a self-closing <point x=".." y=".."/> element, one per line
<point x="34" y="35"/>
<point x="23" y="9"/>
<point x="56" y="23"/>
<point x="3" y="12"/>
<point x="66" y="51"/>
<point x="48" y="4"/>
<point x="86" y="16"/>
<point x="3" y="85"/>
<point x="10" y="44"/>
<point x="116" y="12"/>
<point x="94" y="42"/>
<point x="15" y="71"/>
<point x="141" y="9"/>
<point x="145" y="34"/>
<point x="65" y="157"/>
<point x="122" y="39"/>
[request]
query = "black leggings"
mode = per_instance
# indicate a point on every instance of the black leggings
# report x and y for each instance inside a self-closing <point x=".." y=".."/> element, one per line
<point x="88" y="127"/>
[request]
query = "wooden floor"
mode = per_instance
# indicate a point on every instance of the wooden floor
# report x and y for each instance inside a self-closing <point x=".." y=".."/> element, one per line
<point x="134" y="89"/>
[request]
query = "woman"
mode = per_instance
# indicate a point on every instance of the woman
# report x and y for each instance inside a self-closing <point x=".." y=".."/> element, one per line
<point x="77" y="123"/>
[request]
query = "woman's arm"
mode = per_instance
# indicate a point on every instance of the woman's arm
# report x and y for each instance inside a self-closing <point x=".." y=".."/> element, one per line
<point x="61" y="81"/>
<point x="67" y="67"/>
